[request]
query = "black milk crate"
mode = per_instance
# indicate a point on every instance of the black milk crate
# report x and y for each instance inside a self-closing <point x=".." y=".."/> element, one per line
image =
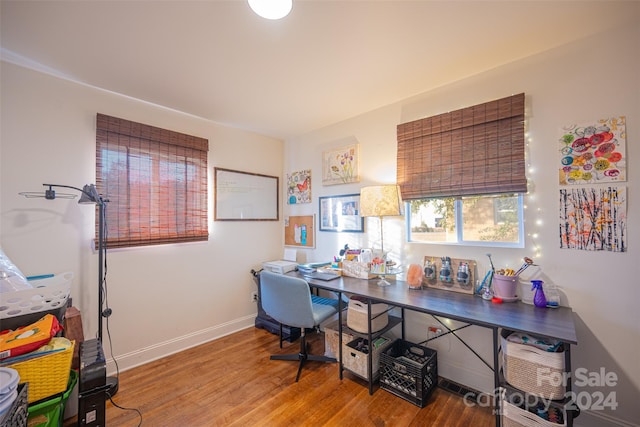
<point x="18" y="414"/>
<point x="410" y="371"/>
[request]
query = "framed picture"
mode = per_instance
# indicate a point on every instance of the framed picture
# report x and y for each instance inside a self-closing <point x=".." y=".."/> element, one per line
<point x="244" y="196"/>
<point x="341" y="214"/>
<point x="340" y="166"/>
<point x="299" y="231"/>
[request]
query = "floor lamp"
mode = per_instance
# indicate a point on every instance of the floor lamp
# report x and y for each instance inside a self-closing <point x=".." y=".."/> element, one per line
<point x="89" y="195"/>
<point x="381" y="201"/>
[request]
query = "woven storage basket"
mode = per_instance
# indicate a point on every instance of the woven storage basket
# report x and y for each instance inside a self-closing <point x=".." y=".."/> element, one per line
<point x="46" y="375"/>
<point x="357" y="315"/>
<point x="533" y="370"/>
<point x="512" y="416"/>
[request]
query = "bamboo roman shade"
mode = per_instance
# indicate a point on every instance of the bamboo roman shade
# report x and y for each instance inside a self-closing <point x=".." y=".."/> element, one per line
<point x="155" y="181"/>
<point x="477" y="150"/>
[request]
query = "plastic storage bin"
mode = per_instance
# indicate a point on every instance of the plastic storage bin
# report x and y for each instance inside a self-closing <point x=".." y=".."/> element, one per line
<point x="410" y="371"/>
<point x="49" y="413"/>
<point x="16" y="416"/>
<point x="48" y="296"/>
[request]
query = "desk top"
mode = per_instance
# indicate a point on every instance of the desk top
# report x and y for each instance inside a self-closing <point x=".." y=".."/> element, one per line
<point x="554" y="323"/>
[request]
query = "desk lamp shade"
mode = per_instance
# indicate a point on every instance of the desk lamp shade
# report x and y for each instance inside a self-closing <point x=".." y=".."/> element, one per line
<point x="381" y="200"/>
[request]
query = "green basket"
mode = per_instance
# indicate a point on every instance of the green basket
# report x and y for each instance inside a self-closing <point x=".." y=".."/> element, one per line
<point x="49" y="413"/>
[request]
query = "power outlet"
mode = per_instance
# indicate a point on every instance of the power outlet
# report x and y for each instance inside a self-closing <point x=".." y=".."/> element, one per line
<point x="254" y="296"/>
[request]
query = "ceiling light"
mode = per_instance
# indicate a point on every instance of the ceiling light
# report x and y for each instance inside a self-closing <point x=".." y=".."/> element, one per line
<point x="271" y="9"/>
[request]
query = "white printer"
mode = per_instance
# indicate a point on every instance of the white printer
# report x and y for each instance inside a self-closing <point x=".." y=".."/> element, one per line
<point x="282" y="266"/>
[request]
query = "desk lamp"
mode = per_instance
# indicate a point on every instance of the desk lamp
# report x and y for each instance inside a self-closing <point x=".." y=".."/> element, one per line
<point x="381" y="201"/>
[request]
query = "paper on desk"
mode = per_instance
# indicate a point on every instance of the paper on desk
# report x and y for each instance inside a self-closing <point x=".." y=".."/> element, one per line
<point x="290" y="255"/>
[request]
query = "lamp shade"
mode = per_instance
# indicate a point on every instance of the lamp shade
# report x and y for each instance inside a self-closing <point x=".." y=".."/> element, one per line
<point x="381" y="200"/>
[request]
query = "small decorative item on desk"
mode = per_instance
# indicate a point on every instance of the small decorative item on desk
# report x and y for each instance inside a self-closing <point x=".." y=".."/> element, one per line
<point x="445" y="270"/>
<point x="382" y="268"/>
<point x="415" y="274"/>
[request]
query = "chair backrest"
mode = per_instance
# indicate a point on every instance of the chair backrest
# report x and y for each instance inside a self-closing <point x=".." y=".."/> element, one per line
<point x="287" y="299"/>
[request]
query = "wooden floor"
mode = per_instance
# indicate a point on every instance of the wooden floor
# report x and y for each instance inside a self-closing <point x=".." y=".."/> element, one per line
<point x="232" y="382"/>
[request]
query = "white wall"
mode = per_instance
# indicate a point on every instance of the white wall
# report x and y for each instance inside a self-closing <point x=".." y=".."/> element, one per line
<point x="587" y="80"/>
<point x="164" y="298"/>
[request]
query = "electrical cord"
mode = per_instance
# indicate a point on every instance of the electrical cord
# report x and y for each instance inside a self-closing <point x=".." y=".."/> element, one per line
<point x="107" y="310"/>
<point x="124" y="408"/>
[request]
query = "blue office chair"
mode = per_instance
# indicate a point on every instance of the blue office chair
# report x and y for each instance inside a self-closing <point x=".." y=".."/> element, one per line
<point x="288" y="300"/>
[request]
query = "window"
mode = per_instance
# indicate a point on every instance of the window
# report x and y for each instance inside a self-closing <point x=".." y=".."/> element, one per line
<point x="464" y="173"/>
<point x="480" y="220"/>
<point x="155" y="181"/>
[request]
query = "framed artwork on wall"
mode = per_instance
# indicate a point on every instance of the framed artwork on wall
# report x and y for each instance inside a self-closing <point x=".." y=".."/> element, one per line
<point x="340" y="165"/>
<point x="299" y="187"/>
<point x="341" y="214"/>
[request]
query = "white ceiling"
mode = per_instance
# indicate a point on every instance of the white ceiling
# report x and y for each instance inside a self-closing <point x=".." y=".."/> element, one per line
<point x="325" y="62"/>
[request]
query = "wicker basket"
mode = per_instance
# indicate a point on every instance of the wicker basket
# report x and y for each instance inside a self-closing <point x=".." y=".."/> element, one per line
<point x="512" y="416"/>
<point x="533" y="370"/>
<point x="46" y="375"/>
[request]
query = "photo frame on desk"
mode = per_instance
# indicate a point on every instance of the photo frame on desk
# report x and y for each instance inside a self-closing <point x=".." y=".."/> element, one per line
<point x="245" y="196"/>
<point x="299" y="231"/>
<point x="341" y="214"/>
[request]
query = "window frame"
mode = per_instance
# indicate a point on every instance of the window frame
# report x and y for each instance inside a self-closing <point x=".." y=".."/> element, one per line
<point x="458" y="216"/>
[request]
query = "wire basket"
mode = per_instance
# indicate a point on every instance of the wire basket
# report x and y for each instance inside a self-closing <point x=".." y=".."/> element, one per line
<point x="46" y="375"/>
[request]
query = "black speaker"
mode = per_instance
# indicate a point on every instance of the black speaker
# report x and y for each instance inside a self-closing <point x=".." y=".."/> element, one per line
<point x="92" y="385"/>
<point x="91" y="408"/>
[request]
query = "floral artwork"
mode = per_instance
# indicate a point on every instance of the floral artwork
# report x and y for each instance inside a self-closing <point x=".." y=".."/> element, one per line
<point x="340" y="166"/>
<point x="299" y="187"/>
<point x="593" y="219"/>
<point x="593" y="153"/>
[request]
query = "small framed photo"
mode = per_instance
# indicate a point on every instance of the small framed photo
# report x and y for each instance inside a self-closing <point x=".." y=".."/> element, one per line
<point x="341" y="214"/>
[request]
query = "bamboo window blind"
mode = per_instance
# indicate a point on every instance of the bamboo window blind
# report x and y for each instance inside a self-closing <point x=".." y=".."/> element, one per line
<point x="155" y="181"/>
<point x="477" y="150"/>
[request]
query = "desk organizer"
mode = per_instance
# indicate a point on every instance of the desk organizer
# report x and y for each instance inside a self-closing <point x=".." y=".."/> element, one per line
<point x="453" y="284"/>
<point x="513" y="416"/>
<point x="357" y="315"/>
<point x="533" y="370"/>
<point x="409" y="371"/>
<point x="355" y="355"/>
<point x="47" y="374"/>
<point x="359" y="270"/>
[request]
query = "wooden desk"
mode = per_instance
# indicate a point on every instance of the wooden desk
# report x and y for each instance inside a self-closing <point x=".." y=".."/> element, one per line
<point x="555" y="323"/>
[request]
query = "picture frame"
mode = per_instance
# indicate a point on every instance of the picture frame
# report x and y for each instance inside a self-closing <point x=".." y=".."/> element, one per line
<point x="245" y="196"/>
<point x="340" y="214"/>
<point x="299" y="231"/>
<point x="341" y="165"/>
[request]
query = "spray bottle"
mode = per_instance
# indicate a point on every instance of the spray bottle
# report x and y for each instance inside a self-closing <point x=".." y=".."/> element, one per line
<point x="539" y="300"/>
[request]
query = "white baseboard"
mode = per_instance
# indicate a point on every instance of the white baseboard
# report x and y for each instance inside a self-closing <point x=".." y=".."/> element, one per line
<point x="157" y="351"/>
<point x="600" y="419"/>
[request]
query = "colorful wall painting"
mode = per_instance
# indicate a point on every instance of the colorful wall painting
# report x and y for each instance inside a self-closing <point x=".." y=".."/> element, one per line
<point x="594" y="152"/>
<point x="340" y="165"/>
<point x="593" y="219"/>
<point x="299" y="187"/>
